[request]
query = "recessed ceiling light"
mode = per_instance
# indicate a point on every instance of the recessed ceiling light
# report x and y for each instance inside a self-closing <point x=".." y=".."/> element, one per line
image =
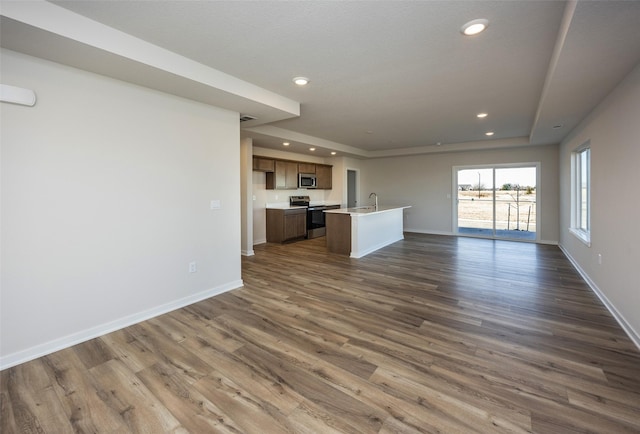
<point x="300" y="81"/>
<point x="312" y="149"/>
<point x="474" y="27"/>
<point x="482" y="115"/>
<point x="489" y="133"/>
<point x="333" y="153"/>
<point x="285" y="143"/>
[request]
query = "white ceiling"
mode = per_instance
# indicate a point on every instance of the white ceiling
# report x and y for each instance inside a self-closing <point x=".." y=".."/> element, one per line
<point x="391" y="77"/>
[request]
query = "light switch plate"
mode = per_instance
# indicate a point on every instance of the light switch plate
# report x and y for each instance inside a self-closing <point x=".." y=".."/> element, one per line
<point x="215" y="204"/>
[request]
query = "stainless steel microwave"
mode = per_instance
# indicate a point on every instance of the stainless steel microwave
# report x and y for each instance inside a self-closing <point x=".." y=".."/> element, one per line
<point x="307" y="180"/>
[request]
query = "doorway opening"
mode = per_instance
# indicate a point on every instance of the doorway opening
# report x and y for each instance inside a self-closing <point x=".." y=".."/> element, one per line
<point x="498" y="201"/>
<point x="352" y="190"/>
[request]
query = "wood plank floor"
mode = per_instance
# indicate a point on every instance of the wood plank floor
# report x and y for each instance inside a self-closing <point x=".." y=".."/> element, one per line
<point x="431" y="334"/>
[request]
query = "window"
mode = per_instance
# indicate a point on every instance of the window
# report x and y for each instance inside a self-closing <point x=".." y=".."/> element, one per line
<point x="581" y="193"/>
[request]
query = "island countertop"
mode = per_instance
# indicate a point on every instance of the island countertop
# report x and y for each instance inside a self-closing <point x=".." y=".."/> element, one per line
<point x="365" y="210"/>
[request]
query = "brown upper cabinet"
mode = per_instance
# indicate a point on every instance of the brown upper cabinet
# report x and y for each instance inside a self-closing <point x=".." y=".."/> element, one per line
<point x="283" y="174"/>
<point x="306" y="168"/>
<point x="285" y="177"/>
<point x="263" y="164"/>
<point x="323" y="176"/>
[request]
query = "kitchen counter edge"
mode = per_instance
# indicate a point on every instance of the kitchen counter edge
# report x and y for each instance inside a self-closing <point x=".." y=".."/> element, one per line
<point x="287" y="206"/>
<point x="359" y="211"/>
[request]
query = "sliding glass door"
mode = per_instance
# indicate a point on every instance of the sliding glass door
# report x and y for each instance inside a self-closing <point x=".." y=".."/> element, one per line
<point x="475" y="201"/>
<point x="497" y="201"/>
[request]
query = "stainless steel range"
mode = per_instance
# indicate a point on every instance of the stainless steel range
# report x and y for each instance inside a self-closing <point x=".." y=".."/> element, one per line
<point x="315" y="215"/>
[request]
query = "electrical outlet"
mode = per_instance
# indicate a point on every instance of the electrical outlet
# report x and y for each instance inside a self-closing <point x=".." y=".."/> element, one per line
<point x="193" y="267"/>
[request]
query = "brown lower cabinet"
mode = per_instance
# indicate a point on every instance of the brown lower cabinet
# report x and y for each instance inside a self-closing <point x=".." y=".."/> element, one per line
<point x="338" y="233"/>
<point x="286" y="224"/>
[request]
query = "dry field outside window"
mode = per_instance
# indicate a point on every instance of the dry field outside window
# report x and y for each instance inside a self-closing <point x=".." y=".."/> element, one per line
<point x="477" y="212"/>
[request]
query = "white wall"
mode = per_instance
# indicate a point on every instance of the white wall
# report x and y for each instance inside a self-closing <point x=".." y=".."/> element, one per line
<point x="614" y="131"/>
<point x="425" y="183"/>
<point x="106" y="191"/>
<point x="422" y="181"/>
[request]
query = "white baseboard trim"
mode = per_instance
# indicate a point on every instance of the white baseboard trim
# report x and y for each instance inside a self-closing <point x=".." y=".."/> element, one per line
<point x="633" y="335"/>
<point x="102" y="329"/>
<point x="247" y="252"/>
<point x="260" y="241"/>
<point x="550" y="242"/>
<point x="421" y="231"/>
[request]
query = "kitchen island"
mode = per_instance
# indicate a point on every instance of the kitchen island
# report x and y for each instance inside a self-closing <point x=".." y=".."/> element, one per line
<point x="359" y="231"/>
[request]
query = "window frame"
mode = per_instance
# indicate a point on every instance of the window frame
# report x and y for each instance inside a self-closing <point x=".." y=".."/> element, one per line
<point x="494" y="167"/>
<point x="581" y="199"/>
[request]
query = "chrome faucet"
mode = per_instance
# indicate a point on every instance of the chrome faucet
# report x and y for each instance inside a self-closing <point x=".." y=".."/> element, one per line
<point x="376" y="196"/>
